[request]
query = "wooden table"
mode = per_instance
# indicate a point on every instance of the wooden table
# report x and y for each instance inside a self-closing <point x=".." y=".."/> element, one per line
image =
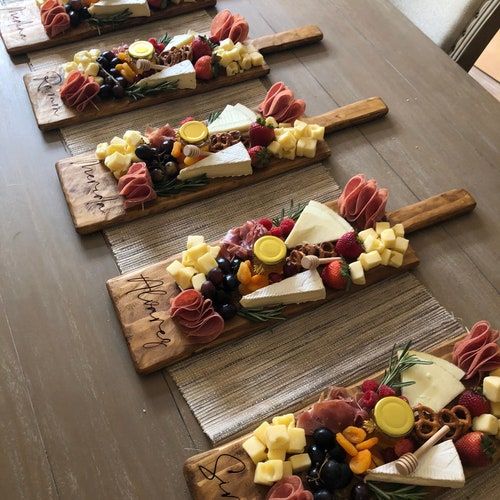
<point x="76" y="421"/>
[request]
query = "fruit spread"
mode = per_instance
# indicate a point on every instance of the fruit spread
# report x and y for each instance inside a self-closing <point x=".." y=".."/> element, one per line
<point x="349" y="442"/>
<point x="148" y="67"/>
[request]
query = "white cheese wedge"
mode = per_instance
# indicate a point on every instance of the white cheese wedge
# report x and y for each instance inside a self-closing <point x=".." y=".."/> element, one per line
<point x="180" y="40"/>
<point x="233" y="161"/>
<point x="440" y="466"/>
<point x="231" y="118"/>
<point x="434" y="386"/>
<point x="138" y="8"/>
<point x="317" y="224"/>
<point x="303" y="287"/>
<point x="246" y="111"/>
<point x="183" y="73"/>
<point x="454" y="370"/>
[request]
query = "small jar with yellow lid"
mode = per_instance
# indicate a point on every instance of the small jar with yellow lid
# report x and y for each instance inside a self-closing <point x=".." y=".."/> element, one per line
<point x="394" y="416"/>
<point x="196" y="133"/>
<point x="141" y="49"/>
<point x="269" y="255"/>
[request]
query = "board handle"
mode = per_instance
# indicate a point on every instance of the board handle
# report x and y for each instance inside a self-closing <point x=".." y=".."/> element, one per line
<point x="350" y="115"/>
<point x="289" y="39"/>
<point x="433" y="210"/>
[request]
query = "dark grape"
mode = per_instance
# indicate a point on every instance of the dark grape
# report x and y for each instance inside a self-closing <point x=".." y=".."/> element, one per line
<point x="109" y="81"/>
<point x="235" y="264"/>
<point x="118" y="91"/>
<point x="215" y="276"/>
<point x="171" y="168"/>
<point x="84" y="13"/>
<point x="122" y="81"/>
<point x="144" y="152"/>
<point x="337" y="453"/>
<point x="346" y="476"/>
<point x="114" y="72"/>
<point x="103" y="62"/>
<point x="167" y="157"/>
<point x="316" y="454"/>
<point x="105" y="91"/>
<point x="109" y="54"/>
<point x="230" y="282"/>
<point x="313" y="480"/>
<point x="228" y="311"/>
<point x="114" y="62"/>
<point x="289" y="270"/>
<point x="323" y="495"/>
<point x="224" y="265"/>
<point x="221" y="297"/>
<point x="208" y="289"/>
<point x="360" y="491"/>
<point x="324" y="438"/>
<point x="74" y="18"/>
<point x="158" y="175"/>
<point x="68" y="8"/>
<point x="167" y="146"/>
<point x="75" y="4"/>
<point x="331" y="475"/>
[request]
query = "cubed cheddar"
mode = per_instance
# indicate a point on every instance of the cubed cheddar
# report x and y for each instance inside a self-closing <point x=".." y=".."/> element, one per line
<point x="315" y="132"/>
<point x="196" y="251"/>
<point x="370" y="260"/>
<point x="197" y="280"/>
<point x="256" y="449"/>
<point x="289" y="154"/>
<point x="386" y="257"/>
<point x="399" y="229"/>
<point x="300" y="126"/>
<point x="388" y="238"/>
<point x="401" y="244"/>
<point x="396" y="259"/>
<point x="132" y="137"/>
<point x="226" y="44"/>
<point x="174" y="268"/>
<point x="297" y="440"/>
<point x="300" y="462"/>
<point x="288" y="420"/>
<point x="380" y="226"/>
<point x="371" y="243"/>
<point x="495" y="408"/>
<point x="287" y="140"/>
<point x="306" y="147"/>
<point x="271" y="121"/>
<point x="362" y="235"/>
<point x="274" y="148"/>
<point x="205" y="263"/>
<point x="186" y="260"/>
<point x="486" y="423"/>
<point x="277" y="437"/>
<point x="214" y="251"/>
<point x="194" y="240"/>
<point x="277" y="454"/>
<point x="233" y="68"/>
<point x="100" y="150"/>
<point x="491" y="388"/>
<point x="287" y="468"/>
<point x="261" y="431"/>
<point x="257" y="59"/>
<point x="357" y="273"/>
<point x="183" y="277"/>
<point x="267" y="473"/>
<point x="246" y="62"/>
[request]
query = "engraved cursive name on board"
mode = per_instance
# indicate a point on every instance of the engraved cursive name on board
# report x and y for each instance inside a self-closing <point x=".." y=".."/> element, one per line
<point x="148" y="290"/>
<point x="17" y="21"/>
<point x="99" y="200"/>
<point x="213" y="475"/>
<point x="46" y="87"/>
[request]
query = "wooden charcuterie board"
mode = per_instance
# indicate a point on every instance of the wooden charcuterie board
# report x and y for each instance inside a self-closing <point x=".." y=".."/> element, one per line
<point x="50" y="112"/>
<point x="142" y="298"/>
<point x="228" y="472"/>
<point x="22" y="30"/>
<point x="91" y="190"/>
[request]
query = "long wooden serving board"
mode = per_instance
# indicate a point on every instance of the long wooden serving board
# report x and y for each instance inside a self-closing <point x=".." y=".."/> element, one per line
<point x="227" y="471"/>
<point x="142" y="298"/>
<point x="91" y="190"/>
<point x="50" y="112"/>
<point x="22" y="30"/>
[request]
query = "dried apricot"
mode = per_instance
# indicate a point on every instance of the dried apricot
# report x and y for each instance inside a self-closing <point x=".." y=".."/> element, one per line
<point x="354" y="435"/>
<point x="347" y="445"/>
<point x="361" y="462"/>
<point x="367" y="444"/>
<point x="244" y="274"/>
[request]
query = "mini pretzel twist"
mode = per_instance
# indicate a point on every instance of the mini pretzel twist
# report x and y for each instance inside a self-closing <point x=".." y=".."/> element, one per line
<point x="426" y="422"/>
<point x="176" y="55"/>
<point x="327" y="249"/>
<point x="223" y="140"/>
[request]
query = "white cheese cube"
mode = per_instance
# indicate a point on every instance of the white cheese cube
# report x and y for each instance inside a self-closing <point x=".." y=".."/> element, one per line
<point x="386" y="257"/>
<point x="388" y="238"/>
<point x="289" y="154"/>
<point x="261" y="432"/>
<point x="133" y="137"/>
<point x="300" y="126"/>
<point x="100" y="150"/>
<point x="396" y="259"/>
<point x="183" y="277"/>
<point x="205" y="263"/>
<point x="226" y="44"/>
<point x="193" y="240"/>
<point x="214" y="251"/>
<point x="232" y="68"/>
<point x="315" y="132"/>
<point x="257" y="59"/>
<point x="399" y="229"/>
<point x="297" y="441"/>
<point x="370" y="260"/>
<point x="300" y="463"/>
<point x="277" y="437"/>
<point x="267" y="473"/>
<point x="287" y="140"/>
<point x="92" y="69"/>
<point x="288" y="420"/>
<point x="380" y="226"/>
<point x="362" y="235"/>
<point x="271" y="122"/>
<point x="277" y="454"/>
<point x="94" y="54"/>
<point x="255" y="449"/>
<point x="371" y="243"/>
<point x="491" y="388"/>
<point x="308" y="147"/>
<point x="196" y="251"/>
<point x="174" y="268"/>
<point x="401" y="244"/>
<point x="246" y="62"/>
<point x="197" y="280"/>
<point x="274" y="148"/>
<point x="485" y="423"/>
<point x="287" y="468"/>
<point x="357" y="273"/>
<point x="495" y="409"/>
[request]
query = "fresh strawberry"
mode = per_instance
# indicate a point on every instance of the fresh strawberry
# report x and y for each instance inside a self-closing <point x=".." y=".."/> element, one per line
<point x="348" y="246"/>
<point x="187" y="119"/>
<point x="336" y="275"/>
<point x="385" y="391"/>
<point x="204" y="68"/>
<point x="266" y="222"/>
<point x="475" y="402"/>
<point x="259" y="156"/>
<point x="369" y="385"/>
<point x="200" y="47"/>
<point x="404" y="445"/>
<point x="261" y="134"/>
<point x="368" y="400"/>
<point x="286" y="225"/>
<point x="475" y="448"/>
<point x="276" y="231"/>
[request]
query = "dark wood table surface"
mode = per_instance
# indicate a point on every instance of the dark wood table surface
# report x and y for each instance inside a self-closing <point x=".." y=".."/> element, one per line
<point x="76" y="421"/>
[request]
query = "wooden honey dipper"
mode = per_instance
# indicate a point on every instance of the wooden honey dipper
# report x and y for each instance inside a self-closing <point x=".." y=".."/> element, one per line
<point x="192" y="151"/>
<point x="312" y="261"/>
<point x="407" y="463"/>
<point x="144" y="65"/>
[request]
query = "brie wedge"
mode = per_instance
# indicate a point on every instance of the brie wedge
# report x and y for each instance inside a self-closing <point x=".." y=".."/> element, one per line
<point x="303" y="287"/>
<point x="183" y="73"/>
<point x="180" y="40"/>
<point x="440" y="466"/>
<point x="233" y="161"/>
<point x="316" y="224"/>
<point x="138" y="8"/>
<point x="237" y="117"/>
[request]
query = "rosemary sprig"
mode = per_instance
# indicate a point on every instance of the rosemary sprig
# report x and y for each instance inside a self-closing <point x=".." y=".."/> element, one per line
<point x="261" y="314"/>
<point x="293" y="212"/>
<point x="396" y="491"/>
<point x="398" y="364"/>
<point x="175" y="186"/>
<point x="166" y="38"/>
<point x="113" y="20"/>
<point x="213" y="116"/>
<point x="135" y="92"/>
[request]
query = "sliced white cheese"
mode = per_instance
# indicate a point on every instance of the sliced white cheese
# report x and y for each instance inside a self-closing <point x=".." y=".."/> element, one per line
<point x="303" y="287"/>
<point x="180" y="40"/>
<point x="453" y="370"/>
<point x="231" y="118"/>
<point x="317" y="224"/>
<point x="440" y="466"/>
<point x="138" y="8"/>
<point x="233" y="161"/>
<point x="183" y="73"/>
<point x="246" y="111"/>
<point x="434" y="386"/>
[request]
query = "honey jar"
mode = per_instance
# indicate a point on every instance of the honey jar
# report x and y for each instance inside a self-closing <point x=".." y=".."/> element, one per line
<point x="269" y="255"/>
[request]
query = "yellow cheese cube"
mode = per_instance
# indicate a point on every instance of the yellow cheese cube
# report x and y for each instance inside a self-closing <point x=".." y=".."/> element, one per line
<point x="193" y="240"/>
<point x="380" y="226"/>
<point x="297" y="437"/>
<point x="491" y="388"/>
<point x="82" y="57"/>
<point x="183" y="277"/>
<point x="270" y="121"/>
<point x="300" y="463"/>
<point x="316" y="132"/>
<point x="133" y="137"/>
<point x="399" y="229"/>
<point x="362" y="235"/>
<point x="257" y="59"/>
<point x="187" y="260"/>
<point x="285" y="125"/>
<point x="118" y="163"/>
<point x="94" y="54"/>
<point x="287" y="468"/>
<point x="288" y="420"/>
<point x="255" y="449"/>
<point x="495" y="408"/>
<point x="233" y="68"/>
<point x="485" y="423"/>
<point x="246" y="62"/>
<point x="240" y="48"/>
<point x="357" y="273"/>
<point x="226" y="44"/>
<point x="116" y="148"/>
<point x="370" y="243"/>
<point x="100" y="150"/>
<point x="300" y="126"/>
<point x="234" y="54"/>
<point x="69" y="66"/>
<point x="287" y="140"/>
<point x="289" y="154"/>
<point x="196" y="251"/>
<point x="307" y="147"/>
<point x="261" y="431"/>
<point x="280" y="131"/>
<point x="197" y="280"/>
<point x="401" y="244"/>
<point x="225" y="59"/>
<point x="277" y="437"/>
<point x="214" y="251"/>
<point x="174" y="268"/>
<point x="205" y="263"/>
<point x="267" y="473"/>
<point x="99" y="80"/>
<point x="388" y="238"/>
<point x="277" y="454"/>
<point x="396" y="259"/>
<point x="386" y="257"/>
<point x="274" y="148"/>
<point x="92" y="69"/>
<point x="370" y="260"/>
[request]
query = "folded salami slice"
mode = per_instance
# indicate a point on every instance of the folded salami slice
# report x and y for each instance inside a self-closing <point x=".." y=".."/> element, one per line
<point x="227" y="25"/>
<point x="78" y="90"/>
<point x="54" y="18"/>
<point x="281" y="104"/>
<point x="289" y="488"/>
<point x="136" y="185"/>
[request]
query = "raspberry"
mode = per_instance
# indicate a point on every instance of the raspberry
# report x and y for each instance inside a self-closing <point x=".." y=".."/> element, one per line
<point x="369" y="385"/>
<point x="287" y="225"/>
<point x="276" y="231"/>
<point x="266" y="222"/>
<point x="187" y="119"/>
<point x="404" y="445"/>
<point x="369" y="400"/>
<point x="385" y="390"/>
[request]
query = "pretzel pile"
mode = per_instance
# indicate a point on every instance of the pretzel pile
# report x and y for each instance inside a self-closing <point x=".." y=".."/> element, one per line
<point x="322" y="250"/>
<point x="218" y="142"/>
<point x="428" y="422"/>
<point x="176" y="55"/>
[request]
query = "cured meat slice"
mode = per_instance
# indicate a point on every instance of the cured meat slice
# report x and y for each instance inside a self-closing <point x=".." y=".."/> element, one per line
<point x="239" y="241"/>
<point x="54" y="18"/>
<point x="78" y="90"/>
<point x="239" y="29"/>
<point x="136" y="185"/>
<point x="156" y="136"/>
<point x="227" y="25"/>
<point x="281" y="104"/>
<point x="289" y="488"/>
<point x="335" y="414"/>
